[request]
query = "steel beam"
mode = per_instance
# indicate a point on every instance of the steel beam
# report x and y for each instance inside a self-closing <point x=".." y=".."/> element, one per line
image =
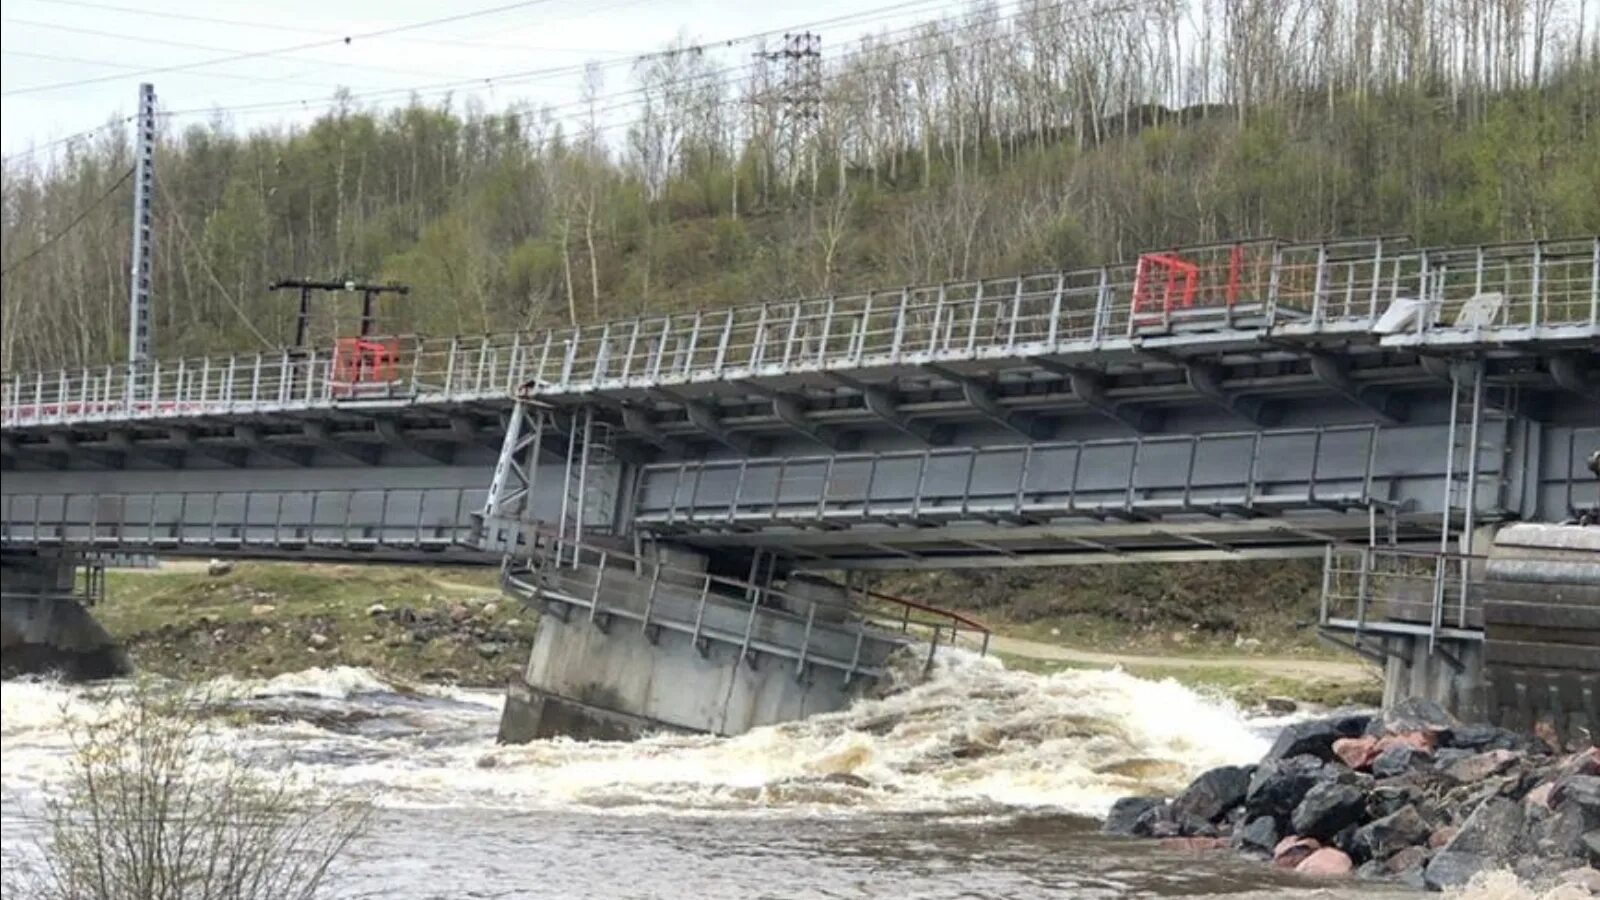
<point x="1574" y="374"/>
<point x="69" y="447"/>
<point x="253" y="440"/>
<point x="706" y="421"/>
<point x="981" y="397"/>
<point x="1090" y="388"/>
<point x="318" y="435"/>
<point x="881" y="403"/>
<point x="1206" y="380"/>
<point x="185" y="440"/>
<point x="123" y="443"/>
<point x="1335" y="373"/>
<point x="392" y="433"/>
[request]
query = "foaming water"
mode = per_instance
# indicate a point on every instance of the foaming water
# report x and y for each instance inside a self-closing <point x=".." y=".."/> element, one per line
<point x="974" y="783"/>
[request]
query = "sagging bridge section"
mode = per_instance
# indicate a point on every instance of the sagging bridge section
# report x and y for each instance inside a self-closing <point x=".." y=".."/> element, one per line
<point x="1243" y="400"/>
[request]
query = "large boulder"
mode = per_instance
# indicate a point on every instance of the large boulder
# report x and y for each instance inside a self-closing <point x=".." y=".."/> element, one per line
<point x="1480" y="766"/>
<point x="1327" y="809"/>
<point x="1316" y="736"/>
<point x="1215" y="793"/>
<point x="1389" y="835"/>
<point x="1479" y="737"/>
<point x="1450" y="869"/>
<point x="1398" y="760"/>
<point x="1125" y="814"/>
<point x="1293" y="850"/>
<point x="1259" y="835"/>
<point x="1278" y="786"/>
<point x="1493" y="831"/>
<point x="1584" y="790"/>
<point x="1413" y="714"/>
<point x="1326" y="862"/>
<point x="1357" y="752"/>
<point x="1408" y="866"/>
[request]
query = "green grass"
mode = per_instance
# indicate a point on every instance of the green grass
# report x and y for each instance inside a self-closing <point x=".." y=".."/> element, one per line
<point x="259" y="620"/>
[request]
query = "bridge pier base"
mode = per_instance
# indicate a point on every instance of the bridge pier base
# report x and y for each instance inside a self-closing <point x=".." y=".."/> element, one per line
<point x="1450" y="675"/>
<point x="623" y="650"/>
<point x="45" y="625"/>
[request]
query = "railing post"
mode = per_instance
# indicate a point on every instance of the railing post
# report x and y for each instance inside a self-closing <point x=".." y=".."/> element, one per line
<point x="805" y="642"/>
<point x="722" y="343"/>
<point x="1325" y="606"/>
<point x="1594" y="284"/>
<point x="1055" y="310"/>
<point x="899" y="326"/>
<point x="1016" y="315"/>
<point x="828" y="327"/>
<point x="450" y="366"/>
<point x="1538" y="266"/>
<point x="972" y="328"/>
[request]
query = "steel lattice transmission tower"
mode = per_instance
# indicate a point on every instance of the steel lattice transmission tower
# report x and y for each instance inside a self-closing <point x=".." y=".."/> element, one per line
<point x="801" y="99"/>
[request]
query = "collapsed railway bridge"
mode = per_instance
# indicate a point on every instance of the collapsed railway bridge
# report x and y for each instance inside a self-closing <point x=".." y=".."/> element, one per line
<point x="688" y="497"/>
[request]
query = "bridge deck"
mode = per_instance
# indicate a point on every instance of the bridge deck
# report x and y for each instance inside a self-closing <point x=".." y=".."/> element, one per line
<point x="1536" y="294"/>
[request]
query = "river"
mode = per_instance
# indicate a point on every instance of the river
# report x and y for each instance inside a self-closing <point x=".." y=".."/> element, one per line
<point x="980" y="783"/>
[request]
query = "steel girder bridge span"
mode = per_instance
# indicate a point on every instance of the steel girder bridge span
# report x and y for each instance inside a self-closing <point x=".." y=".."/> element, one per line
<point x="1241" y="400"/>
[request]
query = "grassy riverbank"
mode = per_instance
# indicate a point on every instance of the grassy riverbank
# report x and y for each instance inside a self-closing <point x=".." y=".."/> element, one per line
<point x="435" y="624"/>
<point x="263" y="619"/>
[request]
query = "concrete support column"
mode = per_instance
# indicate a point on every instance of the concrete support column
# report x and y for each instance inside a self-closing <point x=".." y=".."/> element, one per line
<point x="1451" y="675"/>
<point x="44" y="628"/>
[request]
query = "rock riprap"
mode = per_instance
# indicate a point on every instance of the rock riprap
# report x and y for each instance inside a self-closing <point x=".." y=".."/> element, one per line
<point x="1410" y="794"/>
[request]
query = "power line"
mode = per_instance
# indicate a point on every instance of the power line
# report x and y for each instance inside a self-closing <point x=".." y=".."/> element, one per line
<point x="78" y="220"/>
<point x="1022" y="8"/>
<point x="879" y="13"/>
<point x="88" y="132"/>
<point x="274" y="26"/>
<point x="78" y="60"/>
<point x="184" y="45"/>
<point x="528" y="75"/>
<point x="279" y="51"/>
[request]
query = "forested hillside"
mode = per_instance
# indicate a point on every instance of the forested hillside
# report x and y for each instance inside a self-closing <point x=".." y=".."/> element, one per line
<point x="1036" y="136"/>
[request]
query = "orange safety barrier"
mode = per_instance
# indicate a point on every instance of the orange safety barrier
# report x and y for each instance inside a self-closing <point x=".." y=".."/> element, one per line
<point x="1164" y="279"/>
<point x="359" y="361"/>
<point x="1164" y="282"/>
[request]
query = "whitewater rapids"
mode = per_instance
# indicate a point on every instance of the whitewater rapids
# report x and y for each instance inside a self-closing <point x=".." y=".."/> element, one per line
<point x="974" y="737"/>
<point x="979" y="782"/>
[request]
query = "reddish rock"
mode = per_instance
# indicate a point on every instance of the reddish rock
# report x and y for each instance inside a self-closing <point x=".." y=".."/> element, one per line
<point x="1481" y="765"/>
<point x="1422" y="741"/>
<point x="1293" y="850"/>
<point x="1586" y="762"/>
<point x="1356" y="752"/>
<point x="1194" y="844"/>
<point x="1328" y="861"/>
<point x="1545" y="731"/>
<point x="1442" y="836"/>
<point x="1406" y="860"/>
<point x="1539" y="796"/>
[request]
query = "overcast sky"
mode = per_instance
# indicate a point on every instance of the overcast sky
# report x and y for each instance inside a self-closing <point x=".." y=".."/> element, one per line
<point x="70" y="65"/>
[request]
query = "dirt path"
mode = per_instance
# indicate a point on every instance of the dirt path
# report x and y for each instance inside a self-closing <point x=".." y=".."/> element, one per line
<point x="1290" y="667"/>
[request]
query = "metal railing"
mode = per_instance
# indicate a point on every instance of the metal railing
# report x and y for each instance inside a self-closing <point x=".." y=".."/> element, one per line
<point x="575" y="575"/>
<point x="1394" y="590"/>
<point x="418" y="519"/>
<point x="1212" y="473"/>
<point x="1301" y="289"/>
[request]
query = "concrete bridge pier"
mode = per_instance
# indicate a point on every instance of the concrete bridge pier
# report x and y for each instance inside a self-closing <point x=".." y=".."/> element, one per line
<point x="45" y="625"/>
<point x="627" y="646"/>
<point x="1450" y="673"/>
